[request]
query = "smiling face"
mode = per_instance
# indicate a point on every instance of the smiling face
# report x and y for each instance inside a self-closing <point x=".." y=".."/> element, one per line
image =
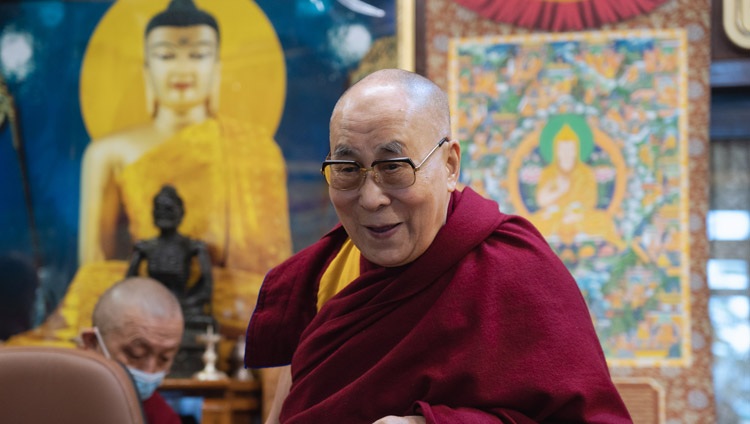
<point x="182" y="65"/>
<point x="379" y="121"/>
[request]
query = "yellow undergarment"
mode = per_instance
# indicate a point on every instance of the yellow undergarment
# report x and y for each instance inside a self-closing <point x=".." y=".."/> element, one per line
<point x="343" y="269"/>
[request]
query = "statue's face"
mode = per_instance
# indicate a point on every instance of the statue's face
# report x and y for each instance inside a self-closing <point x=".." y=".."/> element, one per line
<point x="182" y="64"/>
<point x="167" y="213"/>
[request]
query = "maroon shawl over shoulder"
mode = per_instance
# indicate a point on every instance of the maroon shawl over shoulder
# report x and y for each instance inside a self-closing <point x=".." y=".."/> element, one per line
<point x="487" y="326"/>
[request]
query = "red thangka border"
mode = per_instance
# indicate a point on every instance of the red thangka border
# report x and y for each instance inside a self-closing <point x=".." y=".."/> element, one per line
<point x="560" y="15"/>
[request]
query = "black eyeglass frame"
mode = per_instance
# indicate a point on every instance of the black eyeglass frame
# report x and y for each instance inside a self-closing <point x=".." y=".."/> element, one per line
<point x="363" y="171"/>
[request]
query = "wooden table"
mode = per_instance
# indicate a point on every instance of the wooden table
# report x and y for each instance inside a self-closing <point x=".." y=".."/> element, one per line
<point x="224" y="401"/>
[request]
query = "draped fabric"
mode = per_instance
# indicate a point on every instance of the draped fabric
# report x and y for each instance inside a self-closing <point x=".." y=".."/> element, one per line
<point x="158" y="411"/>
<point x="560" y="15"/>
<point x="487" y="326"/>
<point x="232" y="180"/>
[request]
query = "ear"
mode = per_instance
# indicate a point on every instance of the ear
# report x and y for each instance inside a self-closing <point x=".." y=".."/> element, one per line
<point x="453" y="164"/>
<point x="150" y="96"/>
<point x="89" y="340"/>
<point x="213" y="98"/>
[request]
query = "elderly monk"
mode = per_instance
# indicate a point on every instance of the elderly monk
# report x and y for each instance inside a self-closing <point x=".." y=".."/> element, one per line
<point x="138" y="322"/>
<point x="427" y="304"/>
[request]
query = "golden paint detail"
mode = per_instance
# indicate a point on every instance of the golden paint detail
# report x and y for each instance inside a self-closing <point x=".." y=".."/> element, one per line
<point x="684" y="206"/>
<point x="248" y="165"/>
<point x="405" y="33"/>
<point x="531" y="142"/>
<point x="253" y="73"/>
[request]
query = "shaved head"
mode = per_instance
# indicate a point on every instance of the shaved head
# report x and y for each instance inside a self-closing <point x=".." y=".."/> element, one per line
<point x="423" y="98"/>
<point x="137" y="296"/>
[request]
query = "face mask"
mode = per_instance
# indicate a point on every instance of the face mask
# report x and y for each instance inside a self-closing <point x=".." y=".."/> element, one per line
<point x="146" y="383"/>
<point x="101" y="342"/>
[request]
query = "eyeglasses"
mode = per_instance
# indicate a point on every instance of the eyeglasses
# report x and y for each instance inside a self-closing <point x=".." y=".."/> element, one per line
<point x="390" y="174"/>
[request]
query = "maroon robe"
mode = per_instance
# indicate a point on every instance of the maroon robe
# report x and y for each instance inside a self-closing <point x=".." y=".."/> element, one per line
<point x="487" y="326"/>
<point x="158" y="411"/>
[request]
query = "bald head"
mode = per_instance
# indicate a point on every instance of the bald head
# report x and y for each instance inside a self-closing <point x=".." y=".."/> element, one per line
<point x="141" y="325"/>
<point x="419" y="98"/>
<point x="135" y="297"/>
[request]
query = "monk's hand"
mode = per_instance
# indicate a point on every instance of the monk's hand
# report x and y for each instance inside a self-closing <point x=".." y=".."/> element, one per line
<point x="392" y="419"/>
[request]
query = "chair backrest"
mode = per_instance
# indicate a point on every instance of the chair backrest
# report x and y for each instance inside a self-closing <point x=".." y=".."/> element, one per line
<point x="64" y="386"/>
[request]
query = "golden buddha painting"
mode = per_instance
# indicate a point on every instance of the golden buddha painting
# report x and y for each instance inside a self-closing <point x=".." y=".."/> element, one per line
<point x="210" y="97"/>
<point x="168" y="97"/>
<point x="584" y="134"/>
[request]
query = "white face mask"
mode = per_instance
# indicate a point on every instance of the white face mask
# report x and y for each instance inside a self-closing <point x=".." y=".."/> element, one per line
<point x="145" y="383"/>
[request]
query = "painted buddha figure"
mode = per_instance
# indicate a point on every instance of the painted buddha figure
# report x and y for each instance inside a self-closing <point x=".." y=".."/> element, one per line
<point x="230" y="174"/>
<point x="567" y="189"/>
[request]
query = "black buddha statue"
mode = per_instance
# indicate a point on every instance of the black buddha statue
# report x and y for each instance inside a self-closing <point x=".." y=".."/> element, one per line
<point x="168" y="260"/>
<point x="168" y="256"/>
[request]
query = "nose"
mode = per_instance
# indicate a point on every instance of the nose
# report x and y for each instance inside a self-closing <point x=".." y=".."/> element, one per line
<point x="149" y="365"/>
<point x="182" y="66"/>
<point x="371" y="195"/>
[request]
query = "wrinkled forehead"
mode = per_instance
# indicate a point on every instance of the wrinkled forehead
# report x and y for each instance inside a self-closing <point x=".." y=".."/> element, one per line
<point x="372" y="96"/>
<point x="375" y="118"/>
<point x="139" y="324"/>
